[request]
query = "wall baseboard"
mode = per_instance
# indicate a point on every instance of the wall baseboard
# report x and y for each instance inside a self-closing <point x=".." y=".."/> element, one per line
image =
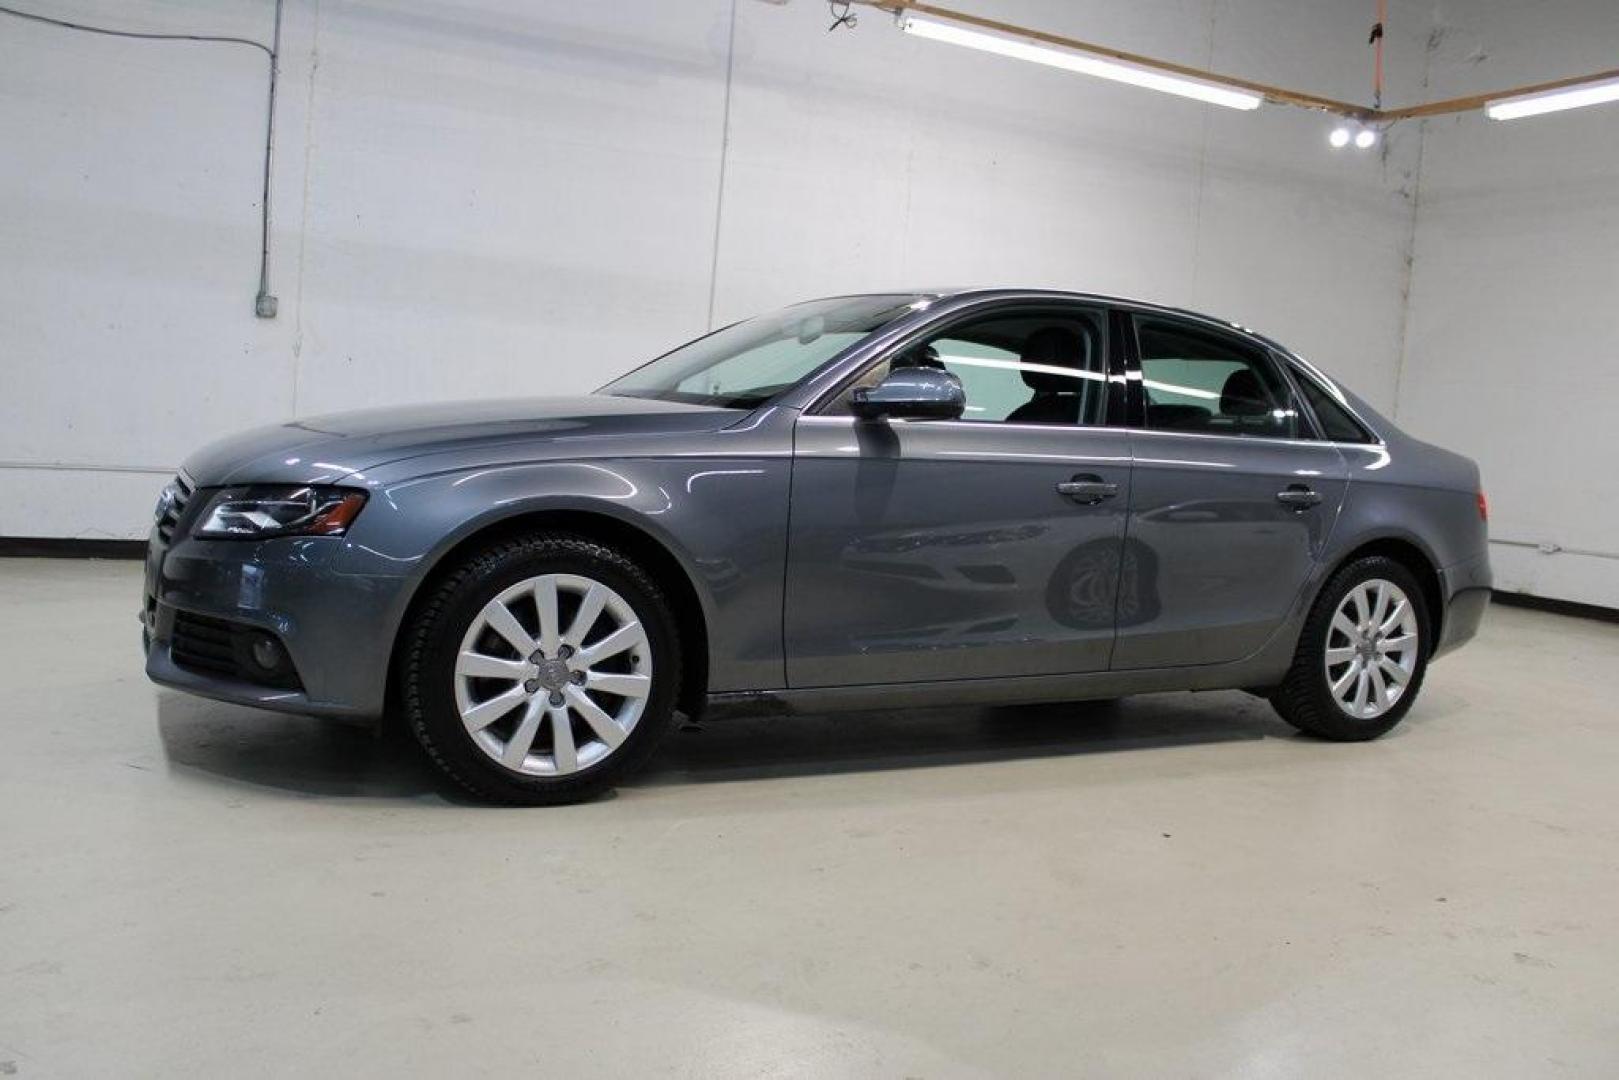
<point x="56" y="547"/>
<point x="1556" y="607"/>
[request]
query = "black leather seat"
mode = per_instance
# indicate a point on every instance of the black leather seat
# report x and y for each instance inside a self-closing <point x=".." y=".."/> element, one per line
<point x="1177" y="417"/>
<point x="1056" y="396"/>
<point x="1244" y="399"/>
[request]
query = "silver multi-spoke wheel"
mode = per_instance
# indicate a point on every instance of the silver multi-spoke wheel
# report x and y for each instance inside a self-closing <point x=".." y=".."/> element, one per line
<point x="1372" y="648"/>
<point x="553" y="674"/>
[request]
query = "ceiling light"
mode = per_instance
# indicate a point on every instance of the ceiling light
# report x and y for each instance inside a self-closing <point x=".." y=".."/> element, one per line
<point x="1020" y="48"/>
<point x="1570" y="97"/>
<point x="1364" y="136"/>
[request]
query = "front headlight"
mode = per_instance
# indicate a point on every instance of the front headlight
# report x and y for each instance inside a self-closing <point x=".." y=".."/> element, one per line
<point x="262" y="511"/>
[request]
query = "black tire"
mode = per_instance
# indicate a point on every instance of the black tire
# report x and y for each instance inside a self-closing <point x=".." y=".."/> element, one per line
<point x="1305" y="699"/>
<point x="432" y="642"/>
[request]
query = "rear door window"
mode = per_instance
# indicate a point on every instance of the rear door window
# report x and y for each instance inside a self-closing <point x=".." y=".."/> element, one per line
<point x="1199" y="380"/>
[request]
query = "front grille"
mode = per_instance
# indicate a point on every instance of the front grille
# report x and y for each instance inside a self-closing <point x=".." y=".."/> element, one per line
<point x="212" y="646"/>
<point x="170" y="506"/>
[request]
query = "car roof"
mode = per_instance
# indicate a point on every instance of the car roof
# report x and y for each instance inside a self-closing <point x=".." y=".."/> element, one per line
<point x="990" y="293"/>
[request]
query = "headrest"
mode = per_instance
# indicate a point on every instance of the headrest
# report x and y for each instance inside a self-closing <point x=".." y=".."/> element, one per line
<point x="921" y="356"/>
<point x="1243" y="395"/>
<point x="1055" y="347"/>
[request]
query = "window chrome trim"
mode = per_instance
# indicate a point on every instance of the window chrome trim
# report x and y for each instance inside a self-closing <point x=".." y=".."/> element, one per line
<point x="972" y="425"/>
<point x="1246" y="438"/>
<point x="1002" y="425"/>
<point x="1123" y="429"/>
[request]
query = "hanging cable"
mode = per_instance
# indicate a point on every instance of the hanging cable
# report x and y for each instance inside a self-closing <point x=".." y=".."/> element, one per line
<point x="264" y="304"/>
<point x="1376" y="42"/>
<point x="65" y="24"/>
<point x="842" y="15"/>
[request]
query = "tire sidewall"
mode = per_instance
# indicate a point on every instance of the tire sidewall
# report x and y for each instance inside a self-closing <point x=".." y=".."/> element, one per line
<point x="430" y="674"/>
<point x="1322" y="715"/>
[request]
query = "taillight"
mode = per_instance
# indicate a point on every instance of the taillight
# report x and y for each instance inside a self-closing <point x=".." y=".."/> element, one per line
<point x="1483" y="507"/>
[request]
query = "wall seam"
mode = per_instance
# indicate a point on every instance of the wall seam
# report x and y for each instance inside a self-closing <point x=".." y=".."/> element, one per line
<point x="1408" y="276"/>
<point x="725" y="151"/>
<point x="1199" y="178"/>
<point x="303" y="213"/>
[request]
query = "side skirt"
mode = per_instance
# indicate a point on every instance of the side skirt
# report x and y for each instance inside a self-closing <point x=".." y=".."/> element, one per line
<point x="1250" y="673"/>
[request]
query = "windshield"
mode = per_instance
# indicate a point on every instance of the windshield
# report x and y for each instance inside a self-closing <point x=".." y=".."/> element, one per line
<point x="745" y="365"/>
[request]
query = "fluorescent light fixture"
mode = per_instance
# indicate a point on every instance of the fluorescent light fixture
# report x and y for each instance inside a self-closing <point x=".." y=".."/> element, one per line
<point x="1569" y="97"/>
<point x="1020" y="48"/>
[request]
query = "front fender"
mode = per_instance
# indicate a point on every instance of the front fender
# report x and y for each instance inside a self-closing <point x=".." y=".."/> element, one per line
<point x="723" y="520"/>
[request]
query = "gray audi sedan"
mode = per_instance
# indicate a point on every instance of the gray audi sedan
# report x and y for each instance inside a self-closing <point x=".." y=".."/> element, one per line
<point x="932" y="497"/>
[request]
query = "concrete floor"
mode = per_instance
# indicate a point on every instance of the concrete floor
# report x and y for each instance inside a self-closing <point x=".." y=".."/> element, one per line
<point x="1174" y="886"/>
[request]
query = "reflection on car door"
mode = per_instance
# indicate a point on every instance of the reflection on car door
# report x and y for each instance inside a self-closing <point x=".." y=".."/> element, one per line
<point x="931" y="550"/>
<point x="1231" y="502"/>
<point x="943" y="550"/>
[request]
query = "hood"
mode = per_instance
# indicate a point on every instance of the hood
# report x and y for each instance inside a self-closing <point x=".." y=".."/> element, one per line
<point x="324" y="449"/>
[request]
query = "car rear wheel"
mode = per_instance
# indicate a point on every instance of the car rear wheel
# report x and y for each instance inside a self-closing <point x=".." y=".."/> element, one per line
<point x="1361" y="656"/>
<point x="542" y="670"/>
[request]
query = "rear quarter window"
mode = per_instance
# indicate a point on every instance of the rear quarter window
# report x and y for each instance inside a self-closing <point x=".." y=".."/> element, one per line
<point x="1336" y="422"/>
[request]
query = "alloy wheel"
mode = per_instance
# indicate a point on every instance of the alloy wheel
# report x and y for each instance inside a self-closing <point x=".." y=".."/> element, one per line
<point x="553" y="674"/>
<point x="1372" y="648"/>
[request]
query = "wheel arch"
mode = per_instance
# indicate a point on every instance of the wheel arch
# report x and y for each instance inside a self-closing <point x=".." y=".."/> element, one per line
<point x="688" y="602"/>
<point x="1412" y="555"/>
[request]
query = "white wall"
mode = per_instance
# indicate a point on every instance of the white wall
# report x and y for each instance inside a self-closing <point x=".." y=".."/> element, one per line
<point x="497" y="197"/>
<point x="1513" y="348"/>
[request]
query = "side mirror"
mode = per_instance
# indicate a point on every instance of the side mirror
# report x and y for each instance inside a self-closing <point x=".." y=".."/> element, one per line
<point x="914" y="393"/>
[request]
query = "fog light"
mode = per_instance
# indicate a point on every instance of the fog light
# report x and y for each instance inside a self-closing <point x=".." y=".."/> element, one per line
<point x="268" y="654"/>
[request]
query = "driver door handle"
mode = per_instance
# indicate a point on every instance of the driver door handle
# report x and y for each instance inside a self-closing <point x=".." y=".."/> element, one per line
<point x="1087" y="489"/>
<point x="1298" y="496"/>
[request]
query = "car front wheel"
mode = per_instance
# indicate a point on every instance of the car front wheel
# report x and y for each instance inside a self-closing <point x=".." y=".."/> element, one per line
<point x="1361" y="656"/>
<point x="541" y="670"/>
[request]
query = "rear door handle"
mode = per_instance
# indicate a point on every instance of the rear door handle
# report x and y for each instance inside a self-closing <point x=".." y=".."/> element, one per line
<point x="1298" y="496"/>
<point x="1087" y="489"/>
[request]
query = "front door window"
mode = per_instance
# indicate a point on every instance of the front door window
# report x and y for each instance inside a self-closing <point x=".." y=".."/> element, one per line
<point x="1025" y="367"/>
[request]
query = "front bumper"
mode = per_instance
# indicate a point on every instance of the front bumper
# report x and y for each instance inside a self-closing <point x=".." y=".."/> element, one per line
<point x="336" y="627"/>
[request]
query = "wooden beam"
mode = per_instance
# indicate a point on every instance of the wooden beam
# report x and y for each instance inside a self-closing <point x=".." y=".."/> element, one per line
<point x="1478" y="101"/>
<point x="1277" y="94"/>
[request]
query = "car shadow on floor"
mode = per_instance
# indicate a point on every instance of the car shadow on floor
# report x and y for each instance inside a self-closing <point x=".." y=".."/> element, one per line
<point x="319" y="758"/>
<point x="301" y="755"/>
<point x="776" y="747"/>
